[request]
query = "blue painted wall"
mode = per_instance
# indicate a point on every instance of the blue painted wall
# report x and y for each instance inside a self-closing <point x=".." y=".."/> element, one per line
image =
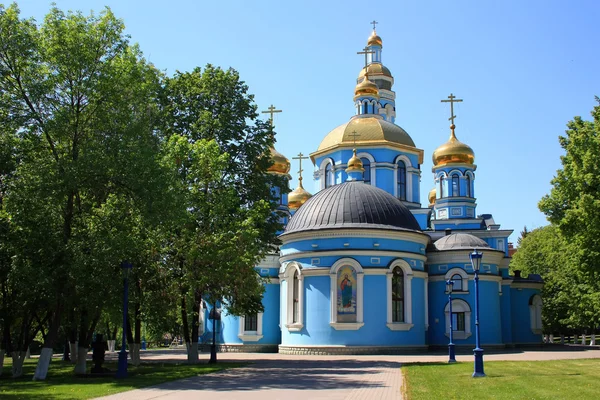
<point x="521" y="320"/>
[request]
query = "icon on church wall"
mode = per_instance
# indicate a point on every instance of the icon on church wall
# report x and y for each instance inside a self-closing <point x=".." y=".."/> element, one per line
<point x="346" y="296"/>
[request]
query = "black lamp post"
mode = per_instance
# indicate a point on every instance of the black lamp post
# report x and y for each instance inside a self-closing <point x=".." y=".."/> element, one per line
<point x="451" y="354"/>
<point x="215" y="315"/>
<point x="122" y="364"/>
<point x="475" y="257"/>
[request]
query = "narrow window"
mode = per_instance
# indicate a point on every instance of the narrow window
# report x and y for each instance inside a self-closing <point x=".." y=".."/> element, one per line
<point x="457" y="286"/>
<point x="458" y="321"/>
<point x="442" y="182"/>
<point x="296" y="299"/>
<point x="468" y="186"/>
<point x="251" y="322"/>
<point x="401" y="180"/>
<point x="328" y="175"/>
<point x="455" y="185"/>
<point x="398" y="295"/>
<point x="367" y="167"/>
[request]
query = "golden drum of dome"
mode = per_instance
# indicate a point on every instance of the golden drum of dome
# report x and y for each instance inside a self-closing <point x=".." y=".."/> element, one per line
<point x="453" y="152"/>
<point x="431" y="197"/>
<point x="375" y="69"/>
<point x="374" y="40"/>
<point x="366" y="88"/>
<point x="297" y="197"/>
<point x="281" y="165"/>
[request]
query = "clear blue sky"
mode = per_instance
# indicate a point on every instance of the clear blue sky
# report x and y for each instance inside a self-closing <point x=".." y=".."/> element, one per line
<point x="523" y="68"/>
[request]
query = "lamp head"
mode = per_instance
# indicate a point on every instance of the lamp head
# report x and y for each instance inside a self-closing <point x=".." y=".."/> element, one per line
<point x="475" y="257"/>
<point x="449" y="285"/>
<point x="126" y="265"/>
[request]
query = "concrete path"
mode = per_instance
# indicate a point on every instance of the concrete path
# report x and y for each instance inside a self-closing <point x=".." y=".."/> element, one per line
<point x="277" y="376"/>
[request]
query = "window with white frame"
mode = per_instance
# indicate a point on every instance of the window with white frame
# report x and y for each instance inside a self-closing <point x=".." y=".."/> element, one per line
<point x="455" y="185"/>
<point x="250" y="329"/>
<point x="367" y="167"/>
<point x="295" y="297"/>
<point x="346" y="295"/>
<point x="328" y="175"/>
<point x="468" y="186"/>
<point x="442" y="184"/>
<point x="460" y="278"/>
<point x="535" y="314"/>
<point x="401" y="180"/>
<point x="399" y="296"/>
<point x="461" y="319"/>
<point x="457" y="283"/>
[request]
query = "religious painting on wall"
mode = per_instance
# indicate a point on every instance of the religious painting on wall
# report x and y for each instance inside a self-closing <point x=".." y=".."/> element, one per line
<point x="346" y="294"/>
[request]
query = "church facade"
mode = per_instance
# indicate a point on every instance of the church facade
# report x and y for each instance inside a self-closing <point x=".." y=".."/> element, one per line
<point x="363" y="266"/>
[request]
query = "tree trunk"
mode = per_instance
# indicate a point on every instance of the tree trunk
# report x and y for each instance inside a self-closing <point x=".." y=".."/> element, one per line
<point x="138" y="328"/>
<point x="111" y="345"/>
<point x="41" y="370"/>
<point x="184" y="318"/>
<point x="583" y="339"/>
<point x="80" y="364"/>
<point x="576" y="339"/>
<point x="551" y="339"/>
<point x="593" y="340"/>
<point x="18" y="357"/>
<point x="192" y="348"/>
<point x="73" y="346"/>
<point x="2" y="354"/>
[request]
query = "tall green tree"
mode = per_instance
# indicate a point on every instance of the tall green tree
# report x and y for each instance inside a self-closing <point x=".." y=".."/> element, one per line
<point x="218" y="150"/>
<point x="83" y="102"/>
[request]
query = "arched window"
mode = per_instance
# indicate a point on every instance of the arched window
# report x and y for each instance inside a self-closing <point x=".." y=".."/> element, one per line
<point x="398" y="295"/>
<point x="535" y="314"/>
<point x="401" y="182"/>
<point x="468" y="186"/>
<point x="457" y="286"/>
<point x="328" y="175"/>
<point x="367" y="167"/>
<point x="296" y="299"/>
<point x="455" y="185"/>
<point x="461" y="319"/>
<point x="346" y="276"/>
<point x="442" y="181"/>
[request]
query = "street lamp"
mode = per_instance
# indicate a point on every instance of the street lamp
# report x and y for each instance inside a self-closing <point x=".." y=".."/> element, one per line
<point x="475" y="257"/>
<point x="449" y="287"/>
<point x="122" y="365"/>
<point x="214" y="315"/>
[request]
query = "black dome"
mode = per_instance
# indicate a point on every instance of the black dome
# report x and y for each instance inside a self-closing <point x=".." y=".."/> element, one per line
<point x="352" y="205"/>
<point x="460" y="241"/>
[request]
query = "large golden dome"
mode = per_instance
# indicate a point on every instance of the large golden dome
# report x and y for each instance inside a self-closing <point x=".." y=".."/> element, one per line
<point x="281" y="165"/>
<point x="366" y="88"/>
<point x="431" y="197"/>
<point x="375" y="69"/>
<point x="298" y="196"/>
<point x="374" y="40"/>
<point x="453" y="152"/>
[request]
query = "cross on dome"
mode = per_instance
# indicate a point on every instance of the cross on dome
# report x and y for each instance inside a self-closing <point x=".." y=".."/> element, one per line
<point x="452" y="100"/>
<point x="271" y="110"/>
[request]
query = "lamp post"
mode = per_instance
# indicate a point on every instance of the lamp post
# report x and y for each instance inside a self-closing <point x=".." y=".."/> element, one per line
<point x="214" y="315"/>
<point x="475" y="257"/>
<point x="451" y="355"/>
<point x="122" y="364"/>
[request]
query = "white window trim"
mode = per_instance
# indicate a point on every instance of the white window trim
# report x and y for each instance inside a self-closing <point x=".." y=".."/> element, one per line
<point x="251" y="336"/>
<point x="373" y="166"/>
<point x="288" y="276"/>
<point x="408" y="275"/>
<point x="535" y="314"/>
<point x="464" y="276"/>
<point x="202" y="322"/>
<point x="439" y="189"/>
<point x="458" y="305"/>
<point x="322" y="171"/>
<point x="346" y="326"/>
<point x="408" y="166"/>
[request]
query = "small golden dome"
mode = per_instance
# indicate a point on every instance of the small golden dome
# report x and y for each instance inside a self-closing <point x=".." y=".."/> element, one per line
<point x="374" y="40"/>
<point x="354" y="164"/>
<point x="375" y="69"/>
<point x="298" y="196"/>
<point x="366" y="88"/>
<point x="281" y="165"/>
<point x="453" y="152"/>
<point x="431" y="197"/>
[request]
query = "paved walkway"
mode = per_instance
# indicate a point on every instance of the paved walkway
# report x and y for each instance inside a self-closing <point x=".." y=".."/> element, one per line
<point x="277" y="376"/>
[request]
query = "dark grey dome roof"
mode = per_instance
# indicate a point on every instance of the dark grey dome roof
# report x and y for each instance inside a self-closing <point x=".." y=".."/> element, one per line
<point x="460" y="241"/>
<point x="352" y="205"/>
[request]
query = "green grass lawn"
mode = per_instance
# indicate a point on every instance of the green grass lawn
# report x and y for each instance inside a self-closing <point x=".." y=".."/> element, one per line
<point x="563" y="379"/>
<point x="62" y="384"/>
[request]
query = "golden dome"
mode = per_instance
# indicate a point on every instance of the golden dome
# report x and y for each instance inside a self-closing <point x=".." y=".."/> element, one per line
<point x="374" y="40"/>
<point x="453" y="152"/>
<point x="281" y="165"/>
<point x="375" y="69"/>
<point x="298" y="196"/>
<point x="431" y="197"/>
<point x="366" y="88"/>
<point x="355" y="164"/>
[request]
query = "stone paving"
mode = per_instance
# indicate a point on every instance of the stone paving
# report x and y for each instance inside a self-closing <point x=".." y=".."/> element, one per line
<point x="277" y="376"/>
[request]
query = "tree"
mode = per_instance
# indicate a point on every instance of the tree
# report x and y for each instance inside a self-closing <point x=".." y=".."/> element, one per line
<point x="218" y="150"/>
<point x="83" y="102"/>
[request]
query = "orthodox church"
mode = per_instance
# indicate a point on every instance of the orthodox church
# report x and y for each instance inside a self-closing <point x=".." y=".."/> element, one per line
<point x="363" y="266"/>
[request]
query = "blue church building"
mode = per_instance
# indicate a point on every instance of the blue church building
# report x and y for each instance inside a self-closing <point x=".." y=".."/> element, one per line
<point x="363" y="263"/>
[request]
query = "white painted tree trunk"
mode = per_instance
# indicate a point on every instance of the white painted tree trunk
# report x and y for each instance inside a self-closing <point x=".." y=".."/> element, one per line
<point x="130" y="348"/>
<point x="562" y="338"/>
<point x="135" y="354"/>
<point x="2" y="353"/>
<point x="73" y="351"/>
<point x="111" y="345"/>
<point x="41" y="370"/>
<point x="17" y="363"/>
<point x="583" y="339"/>
<point x="576" y="339"/>
<point x="546" y="338"/>
<point x="593" y="340"/>
<point x="28" y="354"/>
<point x="80" y="365"/>
<point x="192" y="353"/>
<point x="551" y="338"/>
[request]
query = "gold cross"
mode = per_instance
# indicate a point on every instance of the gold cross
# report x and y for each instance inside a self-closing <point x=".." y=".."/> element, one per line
<point x="452" y="101"/>
<point x="354" y="135"/>
<point x="365" y="52"/>
<point x="300" y="158"/>
<point x="271" y="110"/>
<point x="374" y="23"/>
